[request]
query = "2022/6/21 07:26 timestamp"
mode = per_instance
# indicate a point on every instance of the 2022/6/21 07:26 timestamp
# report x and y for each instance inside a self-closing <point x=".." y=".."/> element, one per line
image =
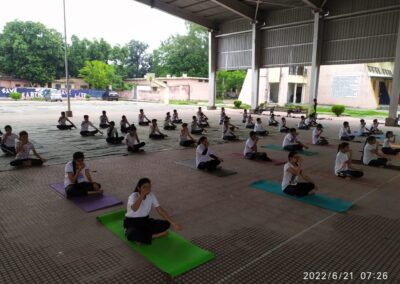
<point x="345" y="275"/>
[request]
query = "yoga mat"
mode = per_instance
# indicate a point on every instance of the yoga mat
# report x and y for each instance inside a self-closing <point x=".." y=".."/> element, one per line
<point x="171" y="254"/>
<point x="275" y="162"/>
<point x="89" y="203"/>
<point x="279" y="148"/>
<point x="320" y="200"/>
<point x="218" y="172"/>
<point x="322" y="146"/>
<point x="390" y="167"/>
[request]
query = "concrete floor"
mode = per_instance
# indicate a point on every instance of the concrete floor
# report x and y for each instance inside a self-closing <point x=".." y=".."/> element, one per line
<point x="257" y="237"/>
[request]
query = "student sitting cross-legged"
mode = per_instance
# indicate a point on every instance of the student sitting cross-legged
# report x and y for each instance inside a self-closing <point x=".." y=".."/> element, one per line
<point x="282" y="126"/>
<point x="249" y="122"/>
<point x="155" y="133"/>
<point x="139" y="227"/>
<point x="85" y="127"/>
<point x="317" y="138"/>
<point x="62" y="122"/>
<point x="251" y="150"/>
<point x="168" y="124"/>
<point x="272" y="121"/>
<point x="371" y="155"/>
<point x="175" y="117"/>
<point x="196" y="128"/>
<point x="132" y="140"/>
<point x="78" y="180"/>
<point x="112" y="134"/>
<point x="185" y="139"/>
<point x="375" y="127"/>
<point x="259" y="129"/>
<point x="228" y="131"/>
<point x="23" y="148"/>
<point x="302" y="124"/>
<point x="343" y="163"/>
<point x="290" y="142"/>
<point x="345" y="133"/>
<point x="205" y="159"/>
<point x="388" y="143"/>
<point x="142" y="118"/>
<point x="244" y="117"/>
<point x="364" y="131"/>
<point x="7" y="141"/>
<point x="291" y="173"/>
<point x="124" y="124"/>
<point x="104" y="123"/>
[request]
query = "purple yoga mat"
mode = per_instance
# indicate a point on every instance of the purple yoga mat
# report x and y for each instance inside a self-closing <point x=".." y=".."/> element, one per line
<point x="89" y="203"/>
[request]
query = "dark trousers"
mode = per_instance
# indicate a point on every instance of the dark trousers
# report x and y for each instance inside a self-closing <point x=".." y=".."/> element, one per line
<point x="390" y="151"/>
<point x="114" y="140"/>
<point x="8" y="150"/>
<point x="103" y="126"/>
<point x="177" y="121"/>
<point x="136" y="148"/>
<point x="196" y="131"/>
<point x="144" y="123"/>
<point x="230" y="138"/>
<point x="262" y="156"/>
<point x="262" y="133"/>
<point x="273" y="123"/>
<point x="204" y="124"/>
<point x="209" y="165"/>
<point x="250" y="126"/>
<point x="301" y="189"/>
<point x="157" y="136"/>
<point x="350" y="173"/>
<point x="322" y="142"/>
<point x="284" y="130"/>
<point x="170" y="127"/>
<point x="64" y="127"/>
<point x="79" y="189"/>
<point x="347" y="138"/>
<point x="124" y="129"/>
<point x="89" y="133"/>
<point x="142" y="229"/>
<point x="378" y="162"/>
<point x="20" y="162"/>
<point x="294" y="147"/>
<point x="304" y="127"/>
<point x="187" y="143"/>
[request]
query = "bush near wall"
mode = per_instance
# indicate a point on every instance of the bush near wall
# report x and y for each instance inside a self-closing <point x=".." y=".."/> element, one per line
<point x="237" y="103"/>
<point x="338" y="109"/>
<point x="16" y="96"/>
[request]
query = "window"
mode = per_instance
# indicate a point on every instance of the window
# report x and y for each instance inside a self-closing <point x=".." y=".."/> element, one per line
<point x="58" y="86"/>
<point x="17" y="85"/>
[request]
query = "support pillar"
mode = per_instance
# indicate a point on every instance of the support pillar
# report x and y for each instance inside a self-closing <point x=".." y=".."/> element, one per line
<point x="394" y="98"/>
<point x="255" y="65"/>
<point x="212" y="69"/>
<point x="316" y="59"/>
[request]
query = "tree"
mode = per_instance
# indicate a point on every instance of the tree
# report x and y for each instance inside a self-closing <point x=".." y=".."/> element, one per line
<point x="30" y="51"/>
<point x="99" y="50"/>
<point x="183" y="54"/>
<point x="138" y="62"/>
<point x="77" y="55"/>
<point x="230" y="81"/>
<point x="98" y="74"/>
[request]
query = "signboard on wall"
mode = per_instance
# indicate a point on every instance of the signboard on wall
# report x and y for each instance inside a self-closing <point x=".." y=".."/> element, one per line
<point x="345" y="86"/>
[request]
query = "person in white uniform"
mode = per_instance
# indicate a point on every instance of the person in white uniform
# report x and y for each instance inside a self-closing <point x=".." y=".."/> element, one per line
<point x="175" y="117"/>
<point x="317" y="138"/>
<point x="364" y="131"/>
<point x="345" y="133"/>
<point x="205" y="158"/>
<point x="23" y="148"/>
<point x="375" y="128"/>
<point x="303" y="124"/>
<point x="185" y="139"/>
<point x="228" y="129"/>
<point x="62" y="122"/>
<point x="291" y="143"/>
<point x="249" y="122"/>
<point x="244" y="117"/>
<point x="168" y="124"/>
<point x="272" y="121"/>
<point x="259" y="129"/>
<point x="85" y="127"/>
<point x="132" y="140"/>
<point x="124" y="124"/>
<point x="389" y="143"/>
<point x="104" y="123"/>
<point x="78" y="179"/>
<point x="291" y="173"/>
<point x="343" y="162"/>
<point x="7" y="141"/>
<point x="142" y="118"/>
<point x="112" y="134"/>
<point x="155" y="132"/>
<point x="139" y="227"/>
<point x="195" y="127"/>
<point x="371" y="155"/>
<point x="251" y="150"/>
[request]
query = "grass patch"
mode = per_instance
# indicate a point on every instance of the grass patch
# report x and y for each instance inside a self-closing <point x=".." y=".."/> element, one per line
<point x="179" y="102"/>
<point x="356" y="112"/>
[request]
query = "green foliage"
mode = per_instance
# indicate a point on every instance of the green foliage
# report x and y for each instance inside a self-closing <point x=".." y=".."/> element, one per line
<point x="16" y="96"/>
<point x="181" y="102"/>
<point x="237" y="103"/>
<point x="87" y="97"/>
<point x="230" y="81"/>
<point x="138" y="62"/>
<point x="338" y="109"/>
<point x="31" y="51"/>
<point x="98" y="74"/>
<point x="183" y="54"/>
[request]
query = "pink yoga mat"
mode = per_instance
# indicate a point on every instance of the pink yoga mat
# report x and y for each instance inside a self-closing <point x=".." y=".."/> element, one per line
<point x="274" y="161"/>
<point x="89" y="203"/>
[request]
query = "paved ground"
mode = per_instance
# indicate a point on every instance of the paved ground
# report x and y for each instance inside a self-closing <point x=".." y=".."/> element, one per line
<point x="257" y="237"/>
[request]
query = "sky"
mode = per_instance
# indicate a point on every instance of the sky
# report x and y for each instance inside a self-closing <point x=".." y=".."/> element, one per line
<point x="117" y="21"/>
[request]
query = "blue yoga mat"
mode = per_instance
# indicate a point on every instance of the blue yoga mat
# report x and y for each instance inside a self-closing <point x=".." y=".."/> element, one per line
<point x="329" y="203"/>
<point x="279" y="148"/>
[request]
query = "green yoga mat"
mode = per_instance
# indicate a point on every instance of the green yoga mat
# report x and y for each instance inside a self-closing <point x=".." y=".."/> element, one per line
<point x="329" y="203"/>
<point x="279" y="148"/>
<point x="171" y="254"/>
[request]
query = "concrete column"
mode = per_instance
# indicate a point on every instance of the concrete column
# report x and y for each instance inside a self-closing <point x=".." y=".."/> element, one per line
<point x="212" y="69"/>
<point x="394" y="98"/>
<point x="294" y="92"/>
<point x="316" y="58"/>
<point x="255" y="65"/>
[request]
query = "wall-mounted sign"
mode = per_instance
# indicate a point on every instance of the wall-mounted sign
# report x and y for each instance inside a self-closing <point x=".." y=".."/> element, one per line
<point x="345" y="86"/>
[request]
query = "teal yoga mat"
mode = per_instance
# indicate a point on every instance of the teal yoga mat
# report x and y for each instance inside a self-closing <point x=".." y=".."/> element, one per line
<point x="329" y="203"/>
<point x="279" y="148"/>
<point x="171" y="254"/>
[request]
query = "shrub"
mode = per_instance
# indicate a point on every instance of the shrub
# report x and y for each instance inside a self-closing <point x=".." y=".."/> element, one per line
<point x="338" y="109"/>
<point x="16" y="96"/>
<point x="87" y="97"/>
<point x="237" y="103"/>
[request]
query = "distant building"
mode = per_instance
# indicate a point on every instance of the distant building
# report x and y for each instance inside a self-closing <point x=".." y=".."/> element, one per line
<point x="11" y="82"/>
<point x="75" y="84"/>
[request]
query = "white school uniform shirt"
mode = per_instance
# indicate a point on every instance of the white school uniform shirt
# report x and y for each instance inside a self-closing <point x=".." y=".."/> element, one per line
<point x="141" y="117"/>
<point x="258" y="127"/>
<point x="85" y="125"/>
<point x="195" y="125"/>
<point x="145" y="206"/>
<point x="344" y="132"/>
<point x="200" y="158"/>
<point x="248" y="146"/>
<point x="113" y="132"/>
<point x="183" y="137"/>
<point x="167" y="121"/>
<point x="281" y="125"/>
<point x="368" y="156"/>
<point x="301" y="124"/>
<point x="62" y="120"/>
<point x="289" y="140"/>
<point x="131" y="140"/>
<point x="227" y="131"/>
<point x="175" y="116"/>
<point x="315" y="135"/>
<point x="288" y="178"/>
<point x="374" y="127"/>
<point x="103" y="119"/>
<point x="123" y="123"/>
<point x="154" y="130"/>
<point x="386" y="143"/>
<point x="10" y="142"/>
<point x="341" y="159"/>
<point x="244" y="116"/>
<point x="69" y="168"/>
<point x="24" y="154"/>
<point x="363" y="129"/>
